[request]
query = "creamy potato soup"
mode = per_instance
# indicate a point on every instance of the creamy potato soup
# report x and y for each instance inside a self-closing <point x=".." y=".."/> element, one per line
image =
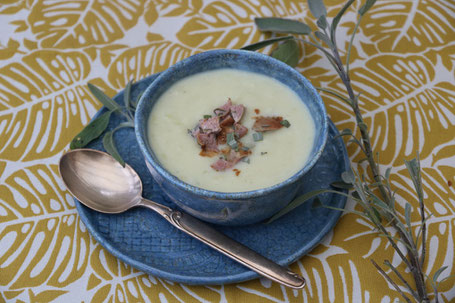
<point x="184" y="115"/>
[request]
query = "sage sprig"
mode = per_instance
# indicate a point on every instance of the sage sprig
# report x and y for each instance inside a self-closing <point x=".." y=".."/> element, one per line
<point x="375" y="195"/>
<point x="98" y="126"/>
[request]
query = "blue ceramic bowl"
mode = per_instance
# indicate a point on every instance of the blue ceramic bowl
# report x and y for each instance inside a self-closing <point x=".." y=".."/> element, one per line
<point x="239" y="208"/>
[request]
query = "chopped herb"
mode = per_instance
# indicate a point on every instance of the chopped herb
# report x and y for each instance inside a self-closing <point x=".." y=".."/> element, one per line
<point x="263" y="153"/>
<point x="230" y="140"/>
<point x="246" y="159"/>
<point x="285" y="123"/>
<point x="257" y="137"/>
<point x="207" y="116"/>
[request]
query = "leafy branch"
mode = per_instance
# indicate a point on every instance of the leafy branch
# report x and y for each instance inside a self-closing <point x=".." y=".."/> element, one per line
<point x="377" y="208"/>
<point x="99" y="125"/>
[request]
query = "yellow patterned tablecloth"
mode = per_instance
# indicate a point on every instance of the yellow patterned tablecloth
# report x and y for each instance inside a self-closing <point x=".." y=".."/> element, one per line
<point x="403" y="61"/>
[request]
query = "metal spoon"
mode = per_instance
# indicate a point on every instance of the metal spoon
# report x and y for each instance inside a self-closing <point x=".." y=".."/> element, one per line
<point x="99" y="182"/>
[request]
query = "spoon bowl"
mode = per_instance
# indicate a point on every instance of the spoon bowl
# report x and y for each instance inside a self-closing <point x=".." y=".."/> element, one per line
<point x="99" y="182"/>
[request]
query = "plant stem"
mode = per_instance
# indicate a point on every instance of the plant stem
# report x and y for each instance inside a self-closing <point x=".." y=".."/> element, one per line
<point x="413" y="263"/>
<point x="390" y="281"/>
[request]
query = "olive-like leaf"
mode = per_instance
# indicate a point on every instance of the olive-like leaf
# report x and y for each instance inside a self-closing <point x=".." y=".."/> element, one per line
<point x="262" y="44"/>
<point x="337" y="18"/>
<point x="127" y="98"/>
<point x="407" y="215"/>
<point x="109" y="146"/>
<point x="103" y="98"/>
<point x="377" y="214"/>
<point x="323" y="37"/>
<point x="287" y="52"/>
<point x="92" y="131"/>
<point x="341" y="184"/>
<point x="438" y="273"/>
<point x="297" y="202"/>
<point x="317" y="8"/>
<point x="366" y="7"/>
<point x="282" y="25"/>
<point x="322" y="22"/>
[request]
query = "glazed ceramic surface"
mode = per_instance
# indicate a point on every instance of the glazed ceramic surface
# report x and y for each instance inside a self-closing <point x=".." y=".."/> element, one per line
<point x="149" y="243"/>
<point x="238" y="208"/>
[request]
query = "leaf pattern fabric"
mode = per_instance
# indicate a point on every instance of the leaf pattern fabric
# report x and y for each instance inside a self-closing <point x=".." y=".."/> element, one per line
<point x="403" y="62"/>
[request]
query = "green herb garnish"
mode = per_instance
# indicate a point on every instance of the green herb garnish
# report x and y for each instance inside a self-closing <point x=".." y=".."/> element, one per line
<point x="285" y="123"/>
<point x="207" y="116"/>
<point x="246" y="159"/>
<point x="230" y="140"/>
<point x="263" y="153"/>
<point x="257" y="137"/>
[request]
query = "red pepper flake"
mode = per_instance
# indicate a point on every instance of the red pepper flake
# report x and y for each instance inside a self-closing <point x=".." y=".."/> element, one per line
<point x="257" y="111"/>
<point x="237" y="172"/>
<point x="449" y="183"/>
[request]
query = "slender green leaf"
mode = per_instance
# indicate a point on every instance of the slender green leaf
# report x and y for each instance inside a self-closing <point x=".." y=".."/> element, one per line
<point x="438" y="273"/>
<point x="282" y="25"/>
<point x="262" y="44"/>
<point x="323" y="37"/>
<point x="407" y="215"/>
<point x="287" y="52"/>
<point x="109" y="146"/>
<point x="341" y="184"/>
<point x="317" y="8"/>
<point x="103" y="98"/>
<point x="377" y="214"/>
<point x="92" y="131"/>
<point x="322" y="22"/>
<point x="387" y="173"/>
<point x="125" y="124"/>
<point x="337" y="18"/>
<point x="366" y="7"/>
<point x="127" y="98"/>
<point x="297" y="202"/>
<point x="134" y="103"/>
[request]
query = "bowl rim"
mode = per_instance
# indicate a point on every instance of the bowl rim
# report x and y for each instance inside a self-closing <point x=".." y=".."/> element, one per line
<point x="232" y="196"/>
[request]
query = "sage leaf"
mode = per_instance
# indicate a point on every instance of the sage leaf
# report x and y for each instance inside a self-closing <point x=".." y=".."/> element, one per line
<point x="438" y="273"/>
<point x="337" y="18"/>
<point x="297" y="202"/>
<point x="262" y="44"/>
<point x="317" y="8"/>
<point x="324" y="38"/>
<point x="366" y="7"/>
<point x="377" y="214"/>
<point x="109" y="146"/>
<point x="288" y="52"/>
<point x="322" y="22"/>
<point x="103" y="98"/>
<point x="127" y="99"/>
<point x="92" y="131"/>
<point x="341" y="184"/>
<point x="407" y="215"/>
<point x="282" y="25"/>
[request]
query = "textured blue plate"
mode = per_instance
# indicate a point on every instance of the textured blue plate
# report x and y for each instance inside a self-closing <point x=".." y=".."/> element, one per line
<point x="148" y="242"/>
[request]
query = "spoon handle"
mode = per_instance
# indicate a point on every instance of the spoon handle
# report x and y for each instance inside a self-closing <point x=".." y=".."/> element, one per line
<point x="227" y="246"/>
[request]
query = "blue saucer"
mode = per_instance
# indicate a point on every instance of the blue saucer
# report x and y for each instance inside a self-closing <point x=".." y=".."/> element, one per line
<point x="146" y="241"/>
